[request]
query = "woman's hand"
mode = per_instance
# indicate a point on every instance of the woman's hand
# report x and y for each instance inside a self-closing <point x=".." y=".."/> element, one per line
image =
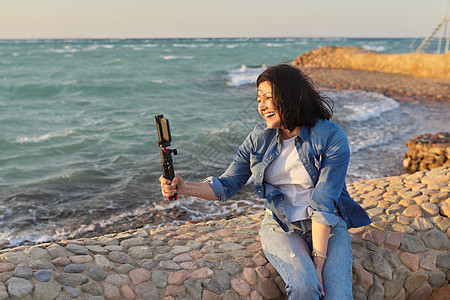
<point x="169" y="188"/>
<point x="320" y="235"/>
<point x="318" y="263"/>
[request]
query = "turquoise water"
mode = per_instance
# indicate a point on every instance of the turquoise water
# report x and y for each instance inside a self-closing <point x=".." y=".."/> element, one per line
<point x="78" y="140"/>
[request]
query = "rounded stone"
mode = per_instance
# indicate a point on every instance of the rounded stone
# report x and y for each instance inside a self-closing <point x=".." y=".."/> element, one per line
<point x="118" y="279"/>
<point x="133" y="242"/>
<point x="415" y="281"/>
<point x="443" y="261"/>
<point x="124" y="269"/>
<point x="436" y="239"/>
<point x="423" y="292"/>
<point x="72" y="280"/>
<point x="97" y="249"/>
<point x="431" y="208"/>
<point x="13" y="257"/>
<point x="43" y="275"/>
<point x="93" y="288"/>
<point x="147" y="290"/>
<point x="428" y="260"/>
<point x="413" y="211"/>
<point x="103" y="262"/>
<point x="410" y="260"/>
<point x="140" y="252"/>
<point x="75" y="268"/>
<point x="159" y="278"/>
<point x="71" y="291"/>
<point x="96" y="273"/>
<point x="437" y="279"/>
<point x="412" y="244"/>
<point x="213" y="285"/>
<point x="111" y="292"/>
<point x="77" y="249"/>
<point x="23" y="272"/>
<point x="268" y="289"/>
<point x="18" y="288"/>
<point x="127" y="293"/>
<point x="120" y="257"/>
<point x="140" y="275"/>
<point x="241" y="287"/>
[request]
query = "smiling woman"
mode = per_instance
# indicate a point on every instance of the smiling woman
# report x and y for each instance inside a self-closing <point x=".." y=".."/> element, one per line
<point x="298" y="160"/>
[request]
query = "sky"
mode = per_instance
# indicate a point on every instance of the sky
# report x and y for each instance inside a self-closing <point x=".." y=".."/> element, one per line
<point x="48" y="19"/>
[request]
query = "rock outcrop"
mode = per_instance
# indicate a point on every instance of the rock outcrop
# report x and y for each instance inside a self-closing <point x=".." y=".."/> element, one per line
<point x="403" y="254"/>
<point x="413" y="64"/>
<point x="427" y="151"/>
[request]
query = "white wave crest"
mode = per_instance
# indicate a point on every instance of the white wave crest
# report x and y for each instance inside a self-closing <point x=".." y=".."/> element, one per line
<point x="358" y="106"/>
<point x="374" y="48"/>
<point x="244" y="75"/>
<point x="44" y="137"/>
<point x="171" y="57"/>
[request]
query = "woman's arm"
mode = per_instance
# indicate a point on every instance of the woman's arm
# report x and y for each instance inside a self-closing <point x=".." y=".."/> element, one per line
<point x="320" y="235"/>
<point x="178" y="185"/>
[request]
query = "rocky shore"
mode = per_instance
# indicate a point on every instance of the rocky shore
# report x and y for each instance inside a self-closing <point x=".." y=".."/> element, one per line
<point x="411" y="77"/>
<point x="397" y="86"/>
<point x="404" y="254"/>
<point x="427" y="65"/>
<point x="427" y="151"/>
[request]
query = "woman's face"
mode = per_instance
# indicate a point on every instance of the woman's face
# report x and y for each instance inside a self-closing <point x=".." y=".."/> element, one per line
<point x="265" y="105"/>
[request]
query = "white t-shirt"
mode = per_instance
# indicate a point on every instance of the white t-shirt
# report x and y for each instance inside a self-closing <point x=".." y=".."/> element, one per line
<point x="287" y="173"/>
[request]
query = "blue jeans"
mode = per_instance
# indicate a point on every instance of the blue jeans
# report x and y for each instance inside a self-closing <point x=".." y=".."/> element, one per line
<point x="290" y="254"/>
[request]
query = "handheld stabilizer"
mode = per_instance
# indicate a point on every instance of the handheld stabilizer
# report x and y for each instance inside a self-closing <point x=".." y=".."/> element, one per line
<point x="163" y="129"/>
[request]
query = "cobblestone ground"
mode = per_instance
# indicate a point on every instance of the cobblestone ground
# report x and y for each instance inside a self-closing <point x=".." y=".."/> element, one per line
<point x="404" y="254"/>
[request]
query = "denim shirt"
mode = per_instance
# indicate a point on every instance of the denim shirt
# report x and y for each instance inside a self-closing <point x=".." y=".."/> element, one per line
<point x="323" y="149"/>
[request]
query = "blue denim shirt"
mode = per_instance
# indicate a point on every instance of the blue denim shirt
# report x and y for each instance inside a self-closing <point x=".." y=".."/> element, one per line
<point x="324" y="152"/>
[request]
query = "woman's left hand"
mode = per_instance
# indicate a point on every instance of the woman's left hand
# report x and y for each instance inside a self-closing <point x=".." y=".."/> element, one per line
<point x="318" y="263"/>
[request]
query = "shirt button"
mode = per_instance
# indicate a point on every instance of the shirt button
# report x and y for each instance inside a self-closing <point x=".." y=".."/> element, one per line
<point x="260" y="174"/>
<point x="283" y="216"/>
<point x="304" y="159"/>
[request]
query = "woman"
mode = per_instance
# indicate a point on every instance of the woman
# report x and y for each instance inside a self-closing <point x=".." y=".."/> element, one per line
<point x="299" y="161"/>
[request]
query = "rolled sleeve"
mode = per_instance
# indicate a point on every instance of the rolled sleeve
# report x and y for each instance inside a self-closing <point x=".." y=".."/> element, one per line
<point x="217" y="187"/>
<point x="322" y="217"/>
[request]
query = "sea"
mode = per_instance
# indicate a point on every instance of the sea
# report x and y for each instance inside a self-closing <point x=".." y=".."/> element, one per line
<point x="78" y="141"/>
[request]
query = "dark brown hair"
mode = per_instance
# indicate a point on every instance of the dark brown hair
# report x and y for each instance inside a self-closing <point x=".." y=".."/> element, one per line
<point x="295" y="96"/>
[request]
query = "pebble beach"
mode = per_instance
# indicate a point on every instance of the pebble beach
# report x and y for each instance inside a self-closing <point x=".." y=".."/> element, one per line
<point x="403" y="253"/>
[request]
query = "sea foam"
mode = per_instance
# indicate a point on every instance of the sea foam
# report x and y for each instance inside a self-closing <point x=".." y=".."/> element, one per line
<point x="44" y="137"/>
<point x="244" y="75"/>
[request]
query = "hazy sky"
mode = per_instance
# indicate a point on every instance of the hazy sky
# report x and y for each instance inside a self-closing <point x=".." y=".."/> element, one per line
<point x="213" y="18"/>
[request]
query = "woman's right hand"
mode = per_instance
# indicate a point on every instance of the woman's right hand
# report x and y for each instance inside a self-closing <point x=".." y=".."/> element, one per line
<point x="169" y="188"/>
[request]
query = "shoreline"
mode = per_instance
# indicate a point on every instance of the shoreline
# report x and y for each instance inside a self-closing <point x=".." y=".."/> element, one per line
<point x="397" y="86"/>
<point x="400" y="87"/>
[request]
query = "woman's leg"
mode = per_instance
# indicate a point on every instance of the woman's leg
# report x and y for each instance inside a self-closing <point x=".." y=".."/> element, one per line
<point x="290" y="256"/>
<point x="337" y="271"/>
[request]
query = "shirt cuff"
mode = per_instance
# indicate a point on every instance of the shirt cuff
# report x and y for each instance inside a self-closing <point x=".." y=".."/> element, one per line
<point x="322" y="217"/>
<point x="217" y="187"/>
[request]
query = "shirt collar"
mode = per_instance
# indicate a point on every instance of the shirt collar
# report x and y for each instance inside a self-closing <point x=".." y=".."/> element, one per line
<point x="303" y="133"/>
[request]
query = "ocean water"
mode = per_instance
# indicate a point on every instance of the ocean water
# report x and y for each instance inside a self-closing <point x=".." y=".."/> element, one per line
<point x="78" y="146"/>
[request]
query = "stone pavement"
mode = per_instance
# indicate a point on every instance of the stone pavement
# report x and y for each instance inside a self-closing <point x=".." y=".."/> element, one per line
<point x="404" y="254"/>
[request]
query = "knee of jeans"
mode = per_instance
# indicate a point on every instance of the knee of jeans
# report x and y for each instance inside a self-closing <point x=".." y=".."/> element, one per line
<point x="299" y="287"/>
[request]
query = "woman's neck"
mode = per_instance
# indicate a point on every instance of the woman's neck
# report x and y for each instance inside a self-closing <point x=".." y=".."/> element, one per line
<point x="286" y="134"/>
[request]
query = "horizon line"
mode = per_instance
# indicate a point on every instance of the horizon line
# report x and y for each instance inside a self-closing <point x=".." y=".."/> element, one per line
<point x="198" y="38"/>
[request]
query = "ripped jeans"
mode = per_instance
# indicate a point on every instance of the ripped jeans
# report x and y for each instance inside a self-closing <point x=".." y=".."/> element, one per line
<point x="290" y="254"/>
